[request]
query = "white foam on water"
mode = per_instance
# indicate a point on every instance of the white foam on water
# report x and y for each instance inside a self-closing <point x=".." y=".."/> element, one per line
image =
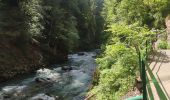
<point x="42" y="97"/>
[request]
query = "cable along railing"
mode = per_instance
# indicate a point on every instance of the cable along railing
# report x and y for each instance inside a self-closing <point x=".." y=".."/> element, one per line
<point x="147" y="77"/>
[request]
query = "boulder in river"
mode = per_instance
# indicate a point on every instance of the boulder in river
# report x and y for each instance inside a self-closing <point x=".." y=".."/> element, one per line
<point x="66" y="68"/>
<point x="47" y="75"/>
<point x="43" y="80"/>
<point x="81" y="53"/>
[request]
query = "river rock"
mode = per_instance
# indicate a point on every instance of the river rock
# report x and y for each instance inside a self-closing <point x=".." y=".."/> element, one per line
<point x="47" y="75"/>
<point x="81" y="53"/>
<point x="40" y="79"/>
<point x="6" y="96"/>
<point x="66" y="68"/>
<point x="42" y="97"/>
<point x="97" y="51"/>
<point x="75" y="67"/>
<point x="94" y="56"/>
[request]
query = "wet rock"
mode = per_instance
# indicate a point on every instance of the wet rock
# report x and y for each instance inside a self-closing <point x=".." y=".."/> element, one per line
<point x="47" y="75"/>
<point x="57" y="97"/>
<point x="9" y="92"/>
<point x="42" y="97"/>
<point x="66" y="68"/>
<point x="81" y="53"/>
<point x="138" y="83"/>
<point x="6" y="96"/>
<point x="40" y="80"/>
<point x="94" y="56"/>
<point x="75" y="67"/>
<point x="9" y="89"/>
<point x="98" y="51"/>
<point x="57" y="69"/>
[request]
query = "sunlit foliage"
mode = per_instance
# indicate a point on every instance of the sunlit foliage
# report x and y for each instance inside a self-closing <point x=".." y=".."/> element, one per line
<point x="128" y="27"/>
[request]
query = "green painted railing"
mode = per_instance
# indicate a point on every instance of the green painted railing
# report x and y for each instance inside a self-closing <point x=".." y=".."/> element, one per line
<point x="146" y="83"/>
<point x="144" y="67"/>
<point x="136" y="98"/>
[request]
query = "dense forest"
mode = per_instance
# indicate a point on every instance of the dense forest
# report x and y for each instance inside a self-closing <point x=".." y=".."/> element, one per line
<point x="38" y="33"/>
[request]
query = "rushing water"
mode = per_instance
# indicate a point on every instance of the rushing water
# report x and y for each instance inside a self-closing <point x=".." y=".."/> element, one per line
<point x="54" y="83"/>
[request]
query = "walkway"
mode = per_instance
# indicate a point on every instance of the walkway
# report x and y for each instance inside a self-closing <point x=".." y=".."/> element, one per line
<point x="160" y="66"/>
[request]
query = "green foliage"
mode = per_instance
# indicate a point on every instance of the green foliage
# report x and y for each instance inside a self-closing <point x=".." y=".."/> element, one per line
<point x="139" y="12"/>
<point x="10" y="17"/>
<point x="89" y="23"/>
<point x="163" y="45"/>
<point x="111" y="55"/>
<point x="163" y="40"/>
<point x="117" y="67"/>
<point x="119" y="62"/>
<point x="127" y="26"/>
<point x="63" y="25"/>
<point x="67" y="25"/>
<point x="132" y="36"/>
<point x="124" y="11"/>
<point x="32" y="10"/>
<point x="60" y="30"/>
<point x="74" y="26"/>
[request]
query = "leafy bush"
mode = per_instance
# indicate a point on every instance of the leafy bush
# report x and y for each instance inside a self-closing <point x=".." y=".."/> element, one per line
<point x="163" y="45"/>
<point x="119" y="64"/>
<point x="117" y="67"/>
<point x="127" y="25"/>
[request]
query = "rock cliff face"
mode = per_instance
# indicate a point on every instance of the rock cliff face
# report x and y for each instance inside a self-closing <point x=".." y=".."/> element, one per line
<point x="15" y="59"/>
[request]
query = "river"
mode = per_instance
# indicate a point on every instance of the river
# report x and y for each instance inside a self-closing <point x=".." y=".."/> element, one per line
<point x="54" y="83"/>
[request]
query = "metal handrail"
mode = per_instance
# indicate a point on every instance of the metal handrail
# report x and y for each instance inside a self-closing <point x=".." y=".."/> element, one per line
<point x="159" y="90"/>
<point x="136" y="98"/>
<point x="143" y="64"/>
<point x="145" y="80"/>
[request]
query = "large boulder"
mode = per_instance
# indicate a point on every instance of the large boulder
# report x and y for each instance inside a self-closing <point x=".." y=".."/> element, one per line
<point x="47" y="75"/>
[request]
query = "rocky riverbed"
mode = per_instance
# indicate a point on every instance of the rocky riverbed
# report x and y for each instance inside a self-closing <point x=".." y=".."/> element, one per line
<point x="69" y="81"/>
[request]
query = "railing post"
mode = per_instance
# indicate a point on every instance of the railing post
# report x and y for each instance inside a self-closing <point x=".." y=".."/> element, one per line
<point x="140" y="69"/>
<point x="144" y="72"/>
<point x="146" y="50"/>
<point x="144" y="81"/>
